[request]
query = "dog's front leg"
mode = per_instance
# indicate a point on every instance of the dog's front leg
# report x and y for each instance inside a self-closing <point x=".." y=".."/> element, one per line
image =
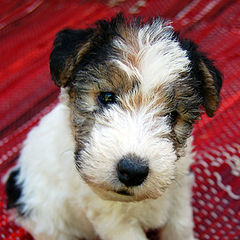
<point x="180" y="223"/>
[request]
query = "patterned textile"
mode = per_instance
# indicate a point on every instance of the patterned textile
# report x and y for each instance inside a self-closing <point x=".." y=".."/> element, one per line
<point x="27" y="30"/>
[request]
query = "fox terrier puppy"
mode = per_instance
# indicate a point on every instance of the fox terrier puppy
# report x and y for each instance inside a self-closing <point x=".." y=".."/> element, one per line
<point x="112" y="159"/>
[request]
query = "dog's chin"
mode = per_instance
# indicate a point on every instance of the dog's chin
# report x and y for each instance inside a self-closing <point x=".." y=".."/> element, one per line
<point x="121" y="195"/>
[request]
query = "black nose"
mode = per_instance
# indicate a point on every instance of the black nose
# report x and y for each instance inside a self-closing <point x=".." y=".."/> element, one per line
<point x="132" y="171"/>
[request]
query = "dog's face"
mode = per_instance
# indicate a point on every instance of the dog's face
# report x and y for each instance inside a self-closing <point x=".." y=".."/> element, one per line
<point x="134" y="90"/>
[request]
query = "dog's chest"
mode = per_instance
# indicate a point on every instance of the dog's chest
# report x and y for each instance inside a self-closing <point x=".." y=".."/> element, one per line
<point x="150" y="214"/>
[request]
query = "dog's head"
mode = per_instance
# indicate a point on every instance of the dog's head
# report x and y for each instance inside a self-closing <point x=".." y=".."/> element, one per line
<point x="135" y="90"/>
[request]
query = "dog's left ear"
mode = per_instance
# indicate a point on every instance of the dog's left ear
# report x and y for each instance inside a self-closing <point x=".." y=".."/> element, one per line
<point x="206" y="76"/>
<point x="68" y="47"/>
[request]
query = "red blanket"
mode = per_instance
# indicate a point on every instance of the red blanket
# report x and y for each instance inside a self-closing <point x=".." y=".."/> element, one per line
<point x="27" y="30"/>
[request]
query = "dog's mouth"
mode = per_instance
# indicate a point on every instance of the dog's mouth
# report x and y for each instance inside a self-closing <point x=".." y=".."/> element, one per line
<point x="121" y="195"/>
<point x="123" y="192"/>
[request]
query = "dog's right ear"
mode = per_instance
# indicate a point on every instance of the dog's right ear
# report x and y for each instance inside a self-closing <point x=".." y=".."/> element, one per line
<point x="205" y="77"/>
<point x="68" y="47"/>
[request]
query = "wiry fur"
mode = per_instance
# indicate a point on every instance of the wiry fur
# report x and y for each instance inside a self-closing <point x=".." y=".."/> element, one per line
<point x="160" y="82"/>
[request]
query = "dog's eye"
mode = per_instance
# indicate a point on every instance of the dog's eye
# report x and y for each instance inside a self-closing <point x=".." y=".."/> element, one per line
<point x="106" y="98"/>
<point x="173" y="117"/>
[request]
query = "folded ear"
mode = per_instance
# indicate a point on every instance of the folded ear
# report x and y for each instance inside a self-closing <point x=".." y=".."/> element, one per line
<point x="67" y="49"/>
<point x="206" y="74"/>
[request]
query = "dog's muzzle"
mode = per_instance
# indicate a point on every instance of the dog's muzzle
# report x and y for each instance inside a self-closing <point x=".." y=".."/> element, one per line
<point x="132" y="171"/>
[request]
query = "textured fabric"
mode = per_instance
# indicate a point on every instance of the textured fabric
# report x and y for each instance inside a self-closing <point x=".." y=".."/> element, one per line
<point x="27" y="30"/>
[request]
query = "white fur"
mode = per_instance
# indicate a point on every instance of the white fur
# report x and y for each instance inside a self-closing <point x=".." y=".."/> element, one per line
<point x="62" y="206"/>
<point x="159" y="58"/>
<point x="158" y="53"/>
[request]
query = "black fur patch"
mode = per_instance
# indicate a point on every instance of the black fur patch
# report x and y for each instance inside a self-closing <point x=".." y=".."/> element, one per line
<point x="14" y="192"/>
<point x="100" y="45"/>
<point x="199" y="78"/>
<point x="66" y="45"/>
<point x="196" y="56"/>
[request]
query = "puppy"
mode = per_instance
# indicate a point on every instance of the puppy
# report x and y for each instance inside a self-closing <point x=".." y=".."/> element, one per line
<point x="112" y="159"/>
